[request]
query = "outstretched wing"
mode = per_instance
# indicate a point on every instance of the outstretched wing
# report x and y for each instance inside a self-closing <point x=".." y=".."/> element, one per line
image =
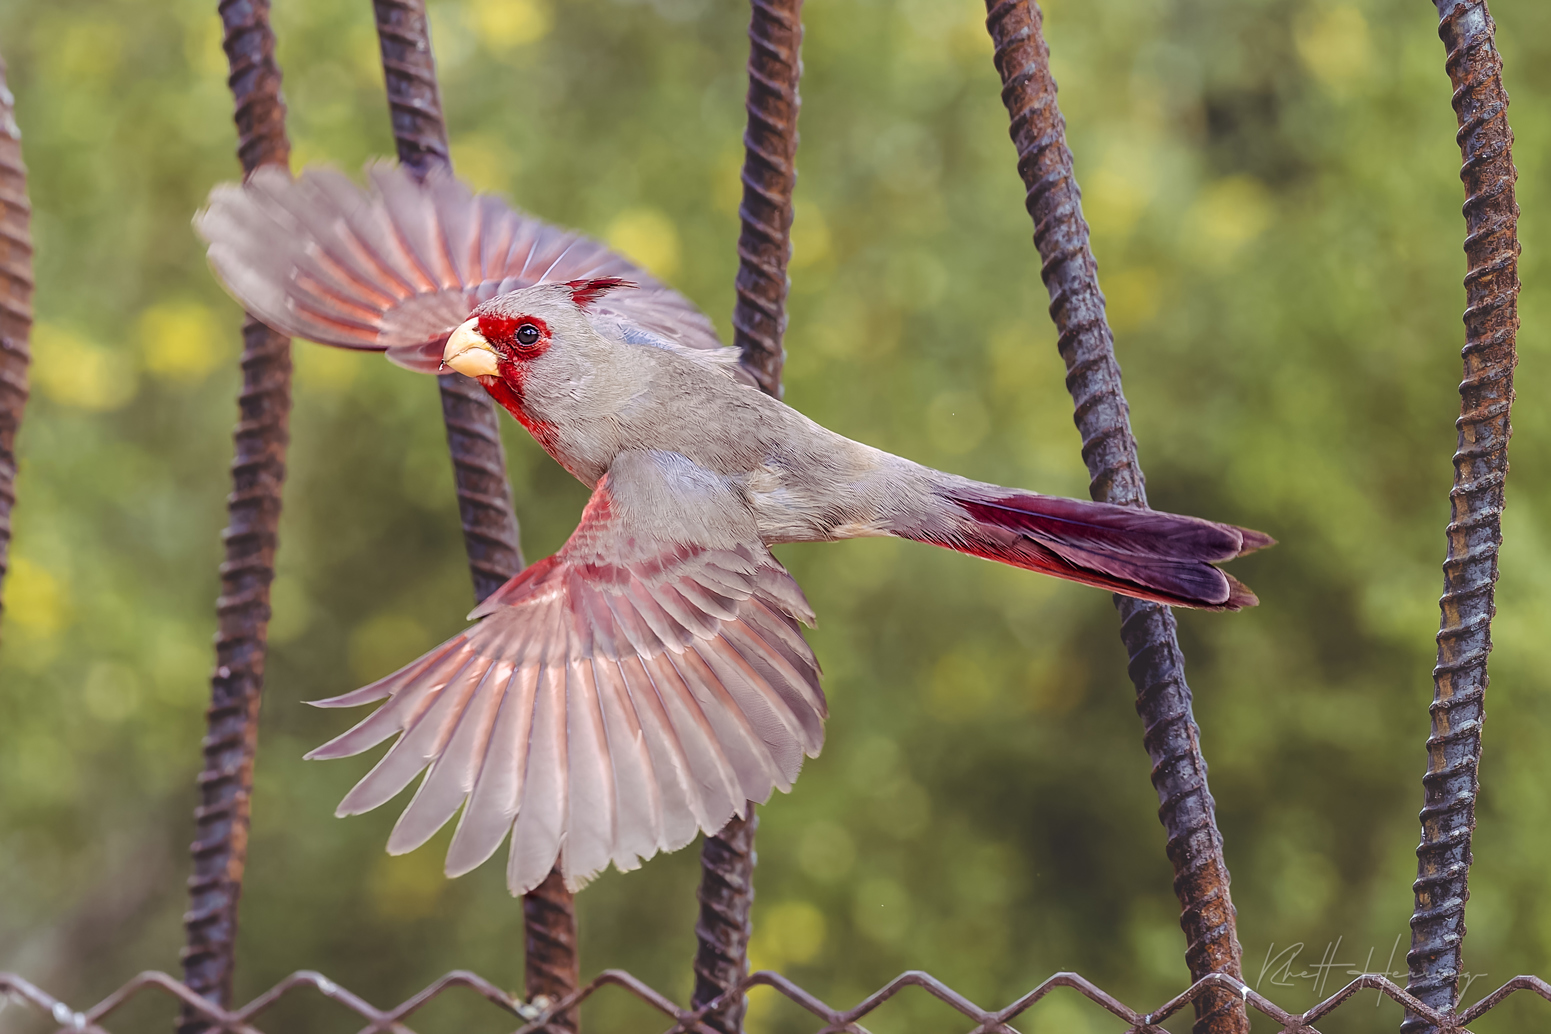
<point x="396" y="267"/>
<point x="638" y="686"/>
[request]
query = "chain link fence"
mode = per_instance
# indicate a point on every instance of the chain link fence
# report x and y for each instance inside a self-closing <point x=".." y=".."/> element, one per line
<point x="545" y="1015"/>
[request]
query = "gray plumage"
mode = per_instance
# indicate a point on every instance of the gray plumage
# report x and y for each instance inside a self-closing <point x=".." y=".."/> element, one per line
<point x="651" y="677"/>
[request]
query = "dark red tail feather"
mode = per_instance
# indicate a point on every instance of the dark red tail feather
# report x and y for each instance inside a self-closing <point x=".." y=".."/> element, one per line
<point x="1150" y="555"/>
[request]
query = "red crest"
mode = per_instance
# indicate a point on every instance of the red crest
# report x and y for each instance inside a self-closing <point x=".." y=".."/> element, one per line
<point x="585" y="292"/>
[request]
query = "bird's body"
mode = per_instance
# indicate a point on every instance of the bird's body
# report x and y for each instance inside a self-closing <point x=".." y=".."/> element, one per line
<point x="602" y="396"/>
<point x="649" y="678"/>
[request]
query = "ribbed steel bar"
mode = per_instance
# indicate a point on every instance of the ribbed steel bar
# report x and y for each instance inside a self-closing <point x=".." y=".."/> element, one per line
<point x="727" y="860"/>
<point x="15" y="307"/>
<point x="1157" y="667"/>
<point x="551" y="967"/>
<point x="220" y="848"/>
<point x="414" y="99"/>
<point x="551" y="960"/>
<point x="769" y="175"/>
<point x="1476" y="505"/>
<point x="726" y="895"/>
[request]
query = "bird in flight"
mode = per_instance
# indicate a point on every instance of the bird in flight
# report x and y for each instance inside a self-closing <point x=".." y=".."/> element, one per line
<point x="651" y="677"/>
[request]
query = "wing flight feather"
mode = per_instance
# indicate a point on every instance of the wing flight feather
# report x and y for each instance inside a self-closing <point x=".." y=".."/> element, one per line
<point x="537" y="837"/>
<point x="487" y="818"/>
<point x="590" y="798"/>
<point x="397" y="266"/>
<point x="450" y="778"/>
<point x="638" y="808"/>
<point x="610" y="701"/>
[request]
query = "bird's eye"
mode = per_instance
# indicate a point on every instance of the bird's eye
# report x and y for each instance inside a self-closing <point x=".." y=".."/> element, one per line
<point x="527" y="334"/>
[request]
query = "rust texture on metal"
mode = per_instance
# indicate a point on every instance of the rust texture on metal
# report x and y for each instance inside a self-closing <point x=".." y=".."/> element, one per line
<point x="726" y="895"/>
<point x="695" y="1020"/>
<point x="549" y="948"/>
<point x="769" y="176"/>
<point x="1093" y="377"/>
<point x="490" y="533"/>
<point x="414" y="100"/>
<point x="220" y="847"/>
<point x="726" y="891"/>
<point x="1476" y="504"/>
<point x="15" y="307"/>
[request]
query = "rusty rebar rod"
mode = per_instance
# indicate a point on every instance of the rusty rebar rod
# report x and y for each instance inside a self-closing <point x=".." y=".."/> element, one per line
<point x="1476" y="504"/>
<point x="15" y="307"/>
<point x="1157" y="666"/>
<point x="726" y="896"/>
<point x="552" y="962"/>
<point x="220" y="847"/>
<point x="769" y="175"/>
<point x="726" y="891"/>
<point x="409" y="71"/>
<point x="551" y="966"/>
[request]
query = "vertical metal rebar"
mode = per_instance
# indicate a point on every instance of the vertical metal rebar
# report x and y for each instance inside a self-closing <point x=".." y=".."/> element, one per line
<point x="1148" y="630"/>
<point x="769" y="175"/>
<point x="220" y="847"/>
<point x="551" y="966"/>
<point x="727" y="860"/>
<point x="414" y="99"/>
<point x="1476" y="504"/>
<point x="726" y="896"/>
<point x="550" y="957"/>
<point x="15" y="306"/>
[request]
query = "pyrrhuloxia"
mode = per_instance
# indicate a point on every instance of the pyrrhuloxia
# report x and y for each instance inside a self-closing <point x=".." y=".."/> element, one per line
<point x="651" y="677"/>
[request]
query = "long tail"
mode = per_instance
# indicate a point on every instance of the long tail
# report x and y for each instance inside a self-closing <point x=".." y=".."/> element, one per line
<point x="1162" y="557"/>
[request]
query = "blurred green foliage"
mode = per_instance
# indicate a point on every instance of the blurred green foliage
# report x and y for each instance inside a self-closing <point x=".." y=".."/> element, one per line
<point x="1274" y="199"/>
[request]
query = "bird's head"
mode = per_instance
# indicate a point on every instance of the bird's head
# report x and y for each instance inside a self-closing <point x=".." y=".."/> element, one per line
<point x="537" y="353"/>
<point x="509" y="337"/>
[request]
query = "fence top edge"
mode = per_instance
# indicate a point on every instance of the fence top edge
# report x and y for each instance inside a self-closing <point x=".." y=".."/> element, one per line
<point x="15" y="987"/>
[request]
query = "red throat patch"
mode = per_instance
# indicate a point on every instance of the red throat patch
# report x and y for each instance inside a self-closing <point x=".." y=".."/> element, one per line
<point x="585" y="292"/>
<point x="517" y="340"/>
<point x="508" y="392"/>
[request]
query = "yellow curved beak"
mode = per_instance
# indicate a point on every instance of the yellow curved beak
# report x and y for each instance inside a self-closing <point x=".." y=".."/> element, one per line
<point x="468" y="352"/>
